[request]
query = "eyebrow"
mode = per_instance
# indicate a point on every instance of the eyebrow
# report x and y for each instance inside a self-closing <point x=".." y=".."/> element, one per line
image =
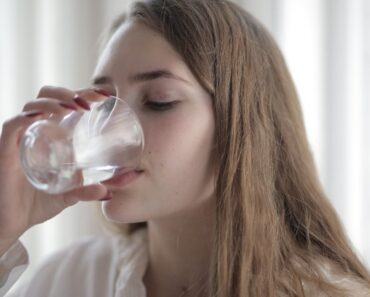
<point x="142" y="77"/>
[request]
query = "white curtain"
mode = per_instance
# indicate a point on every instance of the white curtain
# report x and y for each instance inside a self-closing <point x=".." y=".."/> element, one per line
<point x="326" y="44"/>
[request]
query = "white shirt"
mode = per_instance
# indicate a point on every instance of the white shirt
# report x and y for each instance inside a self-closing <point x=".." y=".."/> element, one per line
<point x="96" y="266"/>
<point x="113" y="266"/>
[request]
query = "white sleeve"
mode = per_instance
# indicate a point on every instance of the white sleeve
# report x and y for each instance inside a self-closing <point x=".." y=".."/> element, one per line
<point x="12" y="264"/>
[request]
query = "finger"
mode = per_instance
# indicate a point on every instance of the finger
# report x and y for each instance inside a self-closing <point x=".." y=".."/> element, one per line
<point x="87" y="193"/>
<point x="14" y="128"/>
<point x="93" y="94"/>
<point x="85" y="97"/>
<point x="69" y="97"/>
<point x="50" y="105"/>
<point x="56" y="93"/>
<point x="80" y="98"/>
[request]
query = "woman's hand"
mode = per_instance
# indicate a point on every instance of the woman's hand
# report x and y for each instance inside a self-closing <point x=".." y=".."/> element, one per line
<point x="21" y="205"/>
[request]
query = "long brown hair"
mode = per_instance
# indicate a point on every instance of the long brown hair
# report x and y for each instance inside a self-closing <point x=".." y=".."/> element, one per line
<point x="273" y="218"/>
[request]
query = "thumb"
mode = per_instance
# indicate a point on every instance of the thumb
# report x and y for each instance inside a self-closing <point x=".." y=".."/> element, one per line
<point x="87" y="193"/>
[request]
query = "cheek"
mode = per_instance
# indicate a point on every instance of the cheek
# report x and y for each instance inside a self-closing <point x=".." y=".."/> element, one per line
<point x="178" y="150"/>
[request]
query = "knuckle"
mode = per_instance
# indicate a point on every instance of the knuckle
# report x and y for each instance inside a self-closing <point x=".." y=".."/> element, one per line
<point x="7" y="124"/>
<point x="27" y="106"/>
<point x="55" y="93"/>
<point x="45" y="90"/>
<point x="84" y="192"/>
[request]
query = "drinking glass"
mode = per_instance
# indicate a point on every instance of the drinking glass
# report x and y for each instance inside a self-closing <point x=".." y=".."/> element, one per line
<point x="83" y="148"/>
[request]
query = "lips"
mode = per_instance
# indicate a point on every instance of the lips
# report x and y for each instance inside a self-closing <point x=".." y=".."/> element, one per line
<point x="123" y="179"/>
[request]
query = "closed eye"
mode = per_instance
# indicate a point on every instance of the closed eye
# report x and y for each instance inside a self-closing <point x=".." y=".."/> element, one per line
<point x="160" y="105"/>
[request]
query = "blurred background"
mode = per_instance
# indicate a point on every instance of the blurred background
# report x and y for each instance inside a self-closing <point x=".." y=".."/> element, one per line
<point x="326" y="44"/>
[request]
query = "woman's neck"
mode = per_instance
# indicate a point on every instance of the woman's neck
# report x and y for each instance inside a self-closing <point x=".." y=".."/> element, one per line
<point x="180" y="250"/>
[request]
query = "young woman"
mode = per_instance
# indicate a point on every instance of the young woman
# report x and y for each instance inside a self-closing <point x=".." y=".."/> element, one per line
<point x="226" y="201"/>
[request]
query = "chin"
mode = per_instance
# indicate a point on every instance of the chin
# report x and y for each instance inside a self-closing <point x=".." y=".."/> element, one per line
<point x="119" y="212"/>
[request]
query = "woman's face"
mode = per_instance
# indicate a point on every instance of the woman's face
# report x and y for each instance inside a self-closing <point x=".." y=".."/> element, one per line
<point x="178" y="174"/>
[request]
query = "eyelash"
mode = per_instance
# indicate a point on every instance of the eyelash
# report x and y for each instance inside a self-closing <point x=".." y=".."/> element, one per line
<point x="160" y="105"/>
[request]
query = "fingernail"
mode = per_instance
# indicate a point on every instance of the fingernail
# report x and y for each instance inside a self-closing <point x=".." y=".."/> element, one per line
<point x="108" y="196"/>
<point x="81" y="102"/>
<point x="31" y="114"/>
<point x="68" y="106"/>
<point x="102" y="92"/>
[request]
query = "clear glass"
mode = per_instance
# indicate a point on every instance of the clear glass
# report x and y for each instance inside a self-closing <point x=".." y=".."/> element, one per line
<point x="83" y="148"/>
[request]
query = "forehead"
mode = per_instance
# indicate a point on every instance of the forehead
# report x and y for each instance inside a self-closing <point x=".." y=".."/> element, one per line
<point x="134" y="47"/>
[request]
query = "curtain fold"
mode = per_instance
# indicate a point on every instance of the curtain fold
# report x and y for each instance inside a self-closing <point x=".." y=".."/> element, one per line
<point x="327" y="48"/>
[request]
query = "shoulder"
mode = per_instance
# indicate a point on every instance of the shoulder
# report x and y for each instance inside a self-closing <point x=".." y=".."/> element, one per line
<point x="82" y="251"/>
<point x="90" y="264"/>
<point x="97" y="250"/>
<point x="346" y="282"/>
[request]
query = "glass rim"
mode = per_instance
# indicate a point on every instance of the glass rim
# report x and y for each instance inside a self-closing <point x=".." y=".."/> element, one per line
<point x="132" y="112"/>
